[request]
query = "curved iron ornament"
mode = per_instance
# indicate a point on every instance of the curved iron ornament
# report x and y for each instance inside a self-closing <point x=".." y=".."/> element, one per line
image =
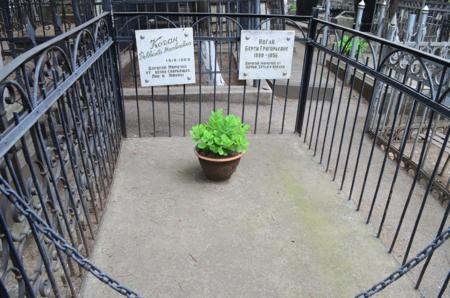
<point x="60" y="138"/>
<point x="35" y="219"/>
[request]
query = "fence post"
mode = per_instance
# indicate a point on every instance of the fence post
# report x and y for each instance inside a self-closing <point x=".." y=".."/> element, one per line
<point x="422" y="30"/>
<point x="392" y="29"/>
<point x="307" y="66"/>
<point x="117" y="86"/>
<point x="381" y="18"/>
<point x="410" y="27"/>
<point x="392" y="35"/>
<point x="325" y="29"/>
<point x="76" y="12"/>
<point x="358" y="21"/>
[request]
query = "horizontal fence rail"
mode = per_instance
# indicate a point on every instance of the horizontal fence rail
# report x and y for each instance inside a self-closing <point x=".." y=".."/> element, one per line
<point x="383" y="137"/>
<point x="60" y="137"/>
<point x="268" y="106"/>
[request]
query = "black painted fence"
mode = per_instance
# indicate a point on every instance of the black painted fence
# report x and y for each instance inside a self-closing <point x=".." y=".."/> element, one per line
<point x="67" y="103"/>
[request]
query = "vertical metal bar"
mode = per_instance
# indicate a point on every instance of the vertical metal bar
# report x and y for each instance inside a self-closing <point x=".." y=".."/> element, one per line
<point x="397" y="168"/>
<point x="134" y="73"/>
<point x="323" y="55"/>
<point x="422" y="29"/>
<point x="40" y="156"/>
<point x="168" y="110"/>
<point x="323" y="104"/>
<point x="85" y="129"/>
<point x="3" y="291"/>
<point x="376" y="89"/>
<point x="410" y="27"/>
<point x="243" y="102"/>
<point x="285" y="105"/>
<point x="338" y="62"/>
<point x="184" y="110"/>
<point x="230" y="54"/>
<point x="76" y="12"/>
<point x="311" y="97"/>
<point x="75" y="167"/>
<point x="71" y="149"/>
<point x="39" y="244"/>
<point x="372" y="149"/>
<point x="96" y="105"/>
<point x="344" y="125"/>
<point x="85" y="143"/>
<point x="114" y="100"/>
<point x="199" y="82"/>
<point x="440" y="229"/>
<point x="15" y="257"/>
<point x="425" y="196"/>
<point x="444" y="286"/>
<point x="271" y="105"/>
<point x="116" y="78"/>
<point x="421" y="158"/>
<point x="336" y="120"/>
<point x="53" y="180"/>
<point x="309" y="53"/>
<point x="381" y="17"/>
<point x="414" y="183"/>
<point x="388" y="147"/>
<point x="215" y="76"/>
<point x="51" y="124"/>
<point x="152" y="97"/>
<point x="257" y="106"/>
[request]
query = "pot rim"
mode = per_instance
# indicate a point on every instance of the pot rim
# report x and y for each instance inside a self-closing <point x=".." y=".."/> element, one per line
<point x="217" y="159"/>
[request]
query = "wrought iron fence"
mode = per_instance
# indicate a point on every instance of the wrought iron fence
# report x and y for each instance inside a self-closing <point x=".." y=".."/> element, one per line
<point x="195" y="6"/>
<point x="379" y="116"/>
<point x="60" y="137"/>
<point x="436" y="25"/>
<point x="26" y="23"/>
<point x="270" y="106"/>
<point x="388" y="154"/>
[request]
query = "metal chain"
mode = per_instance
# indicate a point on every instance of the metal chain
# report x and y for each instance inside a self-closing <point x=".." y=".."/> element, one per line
<point x="438" y="241"/>
<point x="25" y="209"/>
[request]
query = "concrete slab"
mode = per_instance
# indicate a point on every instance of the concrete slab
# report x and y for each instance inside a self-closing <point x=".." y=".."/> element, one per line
<point x="278" y="228"/>
<point x="191" y="93"/>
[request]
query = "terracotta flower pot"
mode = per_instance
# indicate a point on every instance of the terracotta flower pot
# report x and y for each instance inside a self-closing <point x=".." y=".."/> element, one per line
<point x="218" y="168"/>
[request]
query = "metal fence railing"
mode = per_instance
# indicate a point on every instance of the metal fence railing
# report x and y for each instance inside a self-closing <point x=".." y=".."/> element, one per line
<point x="374" y="113"/>
<point x="24" y="24"/>
<point x="389" y="154"/>
<point x="60" y="138"/>
<point x="270" y="106"/>
<point x="436" y="26"/>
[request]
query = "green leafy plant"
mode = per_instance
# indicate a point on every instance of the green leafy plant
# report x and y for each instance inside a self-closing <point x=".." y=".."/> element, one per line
<point x="293" y="8"/>
<point x="346" y="45"/>
<point x="222" y="135"/>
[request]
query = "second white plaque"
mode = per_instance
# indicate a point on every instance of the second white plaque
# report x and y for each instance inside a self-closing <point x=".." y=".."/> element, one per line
<point x="266" y="54"/>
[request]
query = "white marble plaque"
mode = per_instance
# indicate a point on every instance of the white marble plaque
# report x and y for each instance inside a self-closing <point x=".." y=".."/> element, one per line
<point x="266" y="54"/>
<point x="166" y="56"/>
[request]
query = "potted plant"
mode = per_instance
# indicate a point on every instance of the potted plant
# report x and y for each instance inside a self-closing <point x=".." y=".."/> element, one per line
<point x="220" y="144"/>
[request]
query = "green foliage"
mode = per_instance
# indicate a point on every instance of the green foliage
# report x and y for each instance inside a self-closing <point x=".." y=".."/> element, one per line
<point x="222" y="135"/>
<point x="293" y="8"/>
<point x="361" y="46"/>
